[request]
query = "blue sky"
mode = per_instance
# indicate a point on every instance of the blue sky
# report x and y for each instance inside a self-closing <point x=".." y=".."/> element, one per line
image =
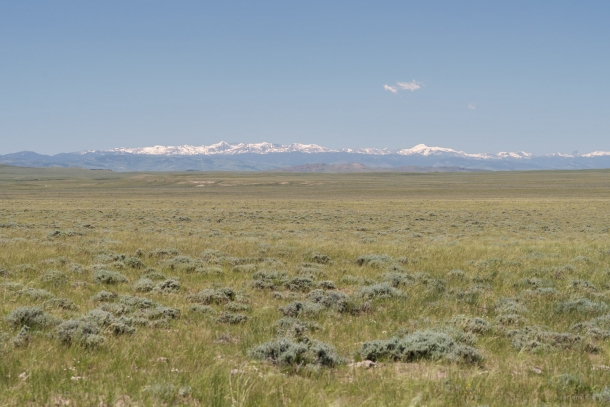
<point x="484" y="76"/>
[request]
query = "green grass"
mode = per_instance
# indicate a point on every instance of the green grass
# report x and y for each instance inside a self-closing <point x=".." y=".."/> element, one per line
<point x="538" y="238"/>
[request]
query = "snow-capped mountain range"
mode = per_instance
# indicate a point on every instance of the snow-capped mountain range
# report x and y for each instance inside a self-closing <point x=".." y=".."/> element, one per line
<point x="224" y="148"/>
<point x="267" y="156"/>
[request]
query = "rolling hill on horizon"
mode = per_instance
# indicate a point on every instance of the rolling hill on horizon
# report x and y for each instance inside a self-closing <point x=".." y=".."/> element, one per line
<point x="267" y="157"/>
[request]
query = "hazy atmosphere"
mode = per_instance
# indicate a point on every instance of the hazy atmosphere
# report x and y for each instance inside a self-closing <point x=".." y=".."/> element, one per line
<point x="473" y="75"/>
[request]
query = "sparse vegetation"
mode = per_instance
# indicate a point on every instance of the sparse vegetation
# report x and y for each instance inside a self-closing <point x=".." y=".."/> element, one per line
<point x="428" y="344"/>
<point x="379" y="289"/>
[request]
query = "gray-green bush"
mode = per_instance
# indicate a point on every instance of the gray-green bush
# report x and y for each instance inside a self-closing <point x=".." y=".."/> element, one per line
<point x="426" y="344"/>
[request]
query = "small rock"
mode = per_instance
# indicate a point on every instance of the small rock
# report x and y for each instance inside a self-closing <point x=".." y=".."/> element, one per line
<point x="601" y="367"/>
<point x="367" y="364"/>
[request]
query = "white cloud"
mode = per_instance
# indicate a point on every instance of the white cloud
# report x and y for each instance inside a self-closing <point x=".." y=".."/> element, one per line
<point x="390" y="88"/>
<point x="412" y="86"/>
<point x="471" y="106"/>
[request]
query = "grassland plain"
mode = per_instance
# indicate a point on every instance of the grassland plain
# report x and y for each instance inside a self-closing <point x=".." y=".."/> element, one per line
<point x="249" y="289"/>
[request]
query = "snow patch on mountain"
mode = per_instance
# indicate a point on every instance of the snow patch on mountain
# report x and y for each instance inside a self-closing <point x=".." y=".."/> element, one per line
<point x="224" y="148"/>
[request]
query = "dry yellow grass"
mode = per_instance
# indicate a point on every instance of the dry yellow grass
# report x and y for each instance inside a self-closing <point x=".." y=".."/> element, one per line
<point x="513" y="235"/>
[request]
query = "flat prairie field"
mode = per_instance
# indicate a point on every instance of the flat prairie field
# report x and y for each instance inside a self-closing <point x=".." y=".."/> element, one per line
<point x="273" y="289"/>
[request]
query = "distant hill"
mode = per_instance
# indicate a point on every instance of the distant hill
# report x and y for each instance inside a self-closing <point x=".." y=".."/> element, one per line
<point x="304" y="158"/>
<point x="358" y="167"/>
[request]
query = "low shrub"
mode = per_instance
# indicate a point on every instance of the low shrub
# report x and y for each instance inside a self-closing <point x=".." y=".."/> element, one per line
<point x="295" y="328"/>
<point x="106" y="258"/>
<point x="245" y="268"/>
<point x="326" y="285"/>
<point x="263" y="280"/>
<point x="570" y="384"/>
<point x="469" y="295"/>
<point x="431" y="284"/>
<point x="209" y="270"/>
<point x="25" y="268"/>
<point x="170" y="285"/>
<point x="470" y="324"/>
<point x="202" y="309"/>
<point x="134" y="263"/>
<point x="182" y="263"/>
<point x="350" y="280"/>
<point x="137" y="302"/>
<point x="116" y="309"/>
<point x="108" y="277"/>
<point x="213" y="296"/>
<point x="54" y="277"/>
<point x="312" y="271"/>
<point x="381" y="290"/>
<point x="603" y="395"/>
<point x="212" y="256"/>
<point x="230" y="318"/>
<point x="237" y="307"/>
<point x="80" y="332"/>
<point x="144" y="285"/>
<point x="456" y="274"/>
<point x="398" y="279"/>
<point x="30" y="316"/>
<point x="121" y="326"/>
<point x="154" y="275"/>
<point x="582" y="305"/>
<point x="598" y="328"/>
<point x="534" y="283"/>
<point x="509" y="319"/>
<point x="299" y="283"/>
<point x="538" y="292"/>
<point x="535" y="338"/>
<point x="35" y="293"/>
<point x="582" y="285"/>
<point x="23" y="337"/>
<point x="374" y="260"/>
<point x="296" y="308"/>
<point x="426" y="345"/>
<point x="283" y="351"/>
<point x="335" y="300"/>
<point x="163" y="253"/>
<point x="158" y="312"/>
<point x="11" y="286"/>
<point x="99" y="317"/>
<point x="582" y="259"/>
<point x="509" y="306"/>
<point x="105" y="296"/>
<point x="285" y="296"/>
<point x="60" y="303"/>
<point x="319" y="258"/>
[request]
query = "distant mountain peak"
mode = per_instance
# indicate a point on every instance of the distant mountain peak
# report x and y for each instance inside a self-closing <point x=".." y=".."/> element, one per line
<point x="265" y="156"/>
<point x="224" y="148"/>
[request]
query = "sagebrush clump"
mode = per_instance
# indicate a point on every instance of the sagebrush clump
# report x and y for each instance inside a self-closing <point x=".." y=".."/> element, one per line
<point x="381" y="290"/>
<point x="283" y="351"/>
<point x="109" y="277"/>
<point x="425" y="344"/>
<point x="213" y="296"/>
<point x="582" y="305"/>
<point x="31" y="317"/>
<point x="536" y="338"/>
